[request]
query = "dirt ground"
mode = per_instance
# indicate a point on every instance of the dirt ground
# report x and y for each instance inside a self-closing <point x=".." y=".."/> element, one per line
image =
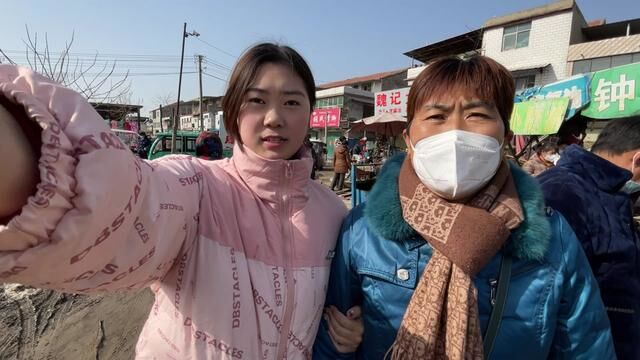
<point x="44" y="324"/>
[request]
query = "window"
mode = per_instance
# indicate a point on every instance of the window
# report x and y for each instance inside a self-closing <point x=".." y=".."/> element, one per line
<point x="525" y="82"/>
<point x="581" y="67"/>
<point x="191" y="145"/>
<point x="516" y="36"/>
<point x="329" y="102"/>
<point x="602" y="63"/>
<point x="620" y="60"/>
<point x="165" y="145"/>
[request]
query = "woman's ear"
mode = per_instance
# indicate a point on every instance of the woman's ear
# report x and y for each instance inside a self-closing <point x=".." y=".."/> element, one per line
<point x="407" y="140"/>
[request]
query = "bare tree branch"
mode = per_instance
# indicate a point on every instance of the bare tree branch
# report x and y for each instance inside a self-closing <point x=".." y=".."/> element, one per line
<point x="7" y="57"/>
<point x="96" y="80"/>
<point x="164" y="99"/>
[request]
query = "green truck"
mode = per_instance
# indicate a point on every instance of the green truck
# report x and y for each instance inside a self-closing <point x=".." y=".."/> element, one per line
<point x="185" y="144"/>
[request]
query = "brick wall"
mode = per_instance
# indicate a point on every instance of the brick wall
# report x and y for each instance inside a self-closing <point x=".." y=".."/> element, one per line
<point x="548" y="43"/>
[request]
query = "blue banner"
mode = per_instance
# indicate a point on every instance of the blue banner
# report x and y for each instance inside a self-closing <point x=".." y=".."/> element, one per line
<point x="575" y="88"/>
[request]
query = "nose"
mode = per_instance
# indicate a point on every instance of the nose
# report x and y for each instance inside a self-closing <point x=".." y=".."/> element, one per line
<point x="273" y="118"/>
<point x="455" y="121"/>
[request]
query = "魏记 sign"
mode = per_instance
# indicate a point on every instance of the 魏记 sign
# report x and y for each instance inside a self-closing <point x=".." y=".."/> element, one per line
<point x="615" y="93"/>
<point x="392" y="101"/>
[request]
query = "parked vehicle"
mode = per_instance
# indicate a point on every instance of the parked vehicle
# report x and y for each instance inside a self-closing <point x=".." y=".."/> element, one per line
<point x="185" y="144"/>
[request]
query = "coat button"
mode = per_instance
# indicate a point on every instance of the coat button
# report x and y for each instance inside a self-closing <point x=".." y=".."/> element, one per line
<point x="403" y="274"/>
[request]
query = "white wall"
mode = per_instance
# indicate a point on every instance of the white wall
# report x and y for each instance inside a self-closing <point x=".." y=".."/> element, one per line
<point x="413" y="73"/>
<point x="548" y="43"/>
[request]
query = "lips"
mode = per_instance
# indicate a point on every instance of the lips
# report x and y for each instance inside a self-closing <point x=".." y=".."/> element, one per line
<point x="274" y="139"/>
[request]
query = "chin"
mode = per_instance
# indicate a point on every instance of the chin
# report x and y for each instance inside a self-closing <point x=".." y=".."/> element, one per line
<point x="277" y="154"/>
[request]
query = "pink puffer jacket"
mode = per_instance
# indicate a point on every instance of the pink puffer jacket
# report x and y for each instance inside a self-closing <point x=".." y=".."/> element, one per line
<point x="237" y="251"/>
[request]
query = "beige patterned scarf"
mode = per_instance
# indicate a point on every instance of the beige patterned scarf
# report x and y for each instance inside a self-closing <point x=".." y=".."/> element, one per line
<point x="441" y="321"/>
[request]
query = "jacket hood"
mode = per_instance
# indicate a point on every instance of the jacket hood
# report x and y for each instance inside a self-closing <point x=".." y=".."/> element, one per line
<point x="603" y="173"/>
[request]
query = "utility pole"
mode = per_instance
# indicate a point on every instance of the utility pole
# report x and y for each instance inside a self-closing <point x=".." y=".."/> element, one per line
<point x="200" y="78"/>
<point x="185" y="34"/>
<point x="161" y="129"/>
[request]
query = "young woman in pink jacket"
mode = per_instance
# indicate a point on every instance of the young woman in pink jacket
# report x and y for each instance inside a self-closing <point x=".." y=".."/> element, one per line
<point x="237" y="251"/>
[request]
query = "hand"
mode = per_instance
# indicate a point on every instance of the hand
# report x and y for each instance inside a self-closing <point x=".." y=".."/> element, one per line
<point x="345" y="331"/>
<point x="19" y="174"/>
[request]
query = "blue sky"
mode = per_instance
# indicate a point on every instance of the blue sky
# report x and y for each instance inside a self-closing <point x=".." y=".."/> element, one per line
<point x="339" y="39"/>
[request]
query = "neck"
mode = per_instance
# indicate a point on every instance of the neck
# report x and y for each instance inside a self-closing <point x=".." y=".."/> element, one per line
<point x="618" y="160"/>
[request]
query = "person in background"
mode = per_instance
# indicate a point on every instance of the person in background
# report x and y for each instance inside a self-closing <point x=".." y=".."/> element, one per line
<point x="209" y="146"/>
<point x="544" y="158"/>
<point x="381" y="151"/>
<point x="593" y="190"/>
<point x="144" y="143"/>
<point x="341" y="163"/>
<point x="314" y="155"/>
<point x="359" y="150"/>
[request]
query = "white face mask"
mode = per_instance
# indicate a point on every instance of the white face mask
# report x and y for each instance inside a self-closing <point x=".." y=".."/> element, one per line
<point x="553" y="158"/>
<point x="456" y="163"/>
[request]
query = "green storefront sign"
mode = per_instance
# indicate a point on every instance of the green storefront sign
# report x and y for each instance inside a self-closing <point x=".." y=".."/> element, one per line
<point x="615" y="93"/>
<point x="538" y="117"/>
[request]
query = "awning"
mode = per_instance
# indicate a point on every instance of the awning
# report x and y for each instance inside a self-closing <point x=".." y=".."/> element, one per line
<point x="540" y="66"/>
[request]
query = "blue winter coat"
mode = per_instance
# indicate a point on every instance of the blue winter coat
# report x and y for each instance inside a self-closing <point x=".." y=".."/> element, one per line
<point x="553" y="308"/>
<point x="585" y="189"/>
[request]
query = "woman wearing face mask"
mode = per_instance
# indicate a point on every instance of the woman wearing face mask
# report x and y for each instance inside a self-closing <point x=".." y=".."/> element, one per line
<point x="454" y="255"/>
<point x="545" y="157"/>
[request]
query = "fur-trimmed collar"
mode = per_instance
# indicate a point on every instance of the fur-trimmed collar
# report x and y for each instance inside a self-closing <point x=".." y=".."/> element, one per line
<point x="528" y="242"/>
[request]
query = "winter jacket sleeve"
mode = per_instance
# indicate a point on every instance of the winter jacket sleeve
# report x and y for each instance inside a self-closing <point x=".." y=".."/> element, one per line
<point x="343" y="293"/>
<point x="582" y="328"/>
<point x="101" y="219"/>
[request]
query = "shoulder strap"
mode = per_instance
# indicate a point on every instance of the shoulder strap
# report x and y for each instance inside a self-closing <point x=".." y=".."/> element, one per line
<point x="498" y="308"/>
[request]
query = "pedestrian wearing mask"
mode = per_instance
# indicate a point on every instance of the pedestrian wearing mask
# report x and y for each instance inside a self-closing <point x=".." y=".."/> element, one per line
<point x="545" y="157"/>
<point x="594" y="190"/>
<point x="454" y="254"/>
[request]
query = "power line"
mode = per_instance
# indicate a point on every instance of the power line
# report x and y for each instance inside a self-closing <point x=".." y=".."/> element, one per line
<point x="217" y="48"/>
<point x="215" y="77"/>
<point x="87" y="54"/>
<point x="140" y="74"/>
<point x="217" y="64"/>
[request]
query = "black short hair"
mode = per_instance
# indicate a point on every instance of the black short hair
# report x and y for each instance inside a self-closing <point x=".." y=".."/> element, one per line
<point x="546" y="147"/>
<point x="619" y="136"/>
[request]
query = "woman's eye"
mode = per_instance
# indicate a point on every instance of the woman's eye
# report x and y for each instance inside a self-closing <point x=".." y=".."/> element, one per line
<point x="479" y="115"/>
<point x="292" y="103"/>
<point x="256" y="100"/>
<point x="436" y="117"/>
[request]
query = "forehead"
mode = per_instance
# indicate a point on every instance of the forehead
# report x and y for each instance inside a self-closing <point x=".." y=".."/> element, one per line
<point x="452" y="98"/>
<point x="448" y="93"/>
<point x="271" y="76"/>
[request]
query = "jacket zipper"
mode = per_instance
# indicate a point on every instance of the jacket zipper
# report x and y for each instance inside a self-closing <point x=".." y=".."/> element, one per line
<point x="288" y="270"/>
